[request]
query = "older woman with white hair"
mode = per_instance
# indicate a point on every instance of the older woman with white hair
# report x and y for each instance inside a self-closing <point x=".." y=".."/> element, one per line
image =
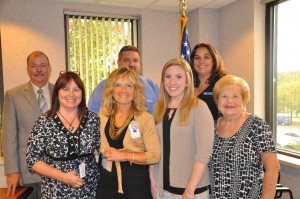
<point x="244" y="161"/>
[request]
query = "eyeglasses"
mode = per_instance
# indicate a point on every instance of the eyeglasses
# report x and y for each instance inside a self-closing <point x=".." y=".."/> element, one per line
<point x="42" y="66"/>
<point x="64" y="71"/>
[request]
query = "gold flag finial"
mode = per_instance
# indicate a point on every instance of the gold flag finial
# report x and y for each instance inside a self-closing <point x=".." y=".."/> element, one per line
<point x="182" y="7"/>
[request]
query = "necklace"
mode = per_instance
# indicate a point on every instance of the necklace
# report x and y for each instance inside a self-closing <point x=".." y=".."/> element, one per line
<point x="70" y="128"/>
<point x="233" y="127"/>
<point x="226" y="132"/>
<point x="114" y="130"/>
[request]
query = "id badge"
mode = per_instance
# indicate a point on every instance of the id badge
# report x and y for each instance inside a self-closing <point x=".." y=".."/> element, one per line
<point x="80" y="167"/>
<point x="82" y="170"/>
<point x="134" y="130"/>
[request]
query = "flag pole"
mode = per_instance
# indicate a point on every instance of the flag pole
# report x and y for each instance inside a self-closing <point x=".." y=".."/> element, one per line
<point x="182" y="20"/>
<point x="182" y="9"/>
<point x="185" y="48"/>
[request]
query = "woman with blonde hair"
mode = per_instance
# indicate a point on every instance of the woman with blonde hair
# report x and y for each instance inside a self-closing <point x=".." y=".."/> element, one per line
<point x="244" y="161"/>
<point x="185" y="127"/>
<point x="129" y="141"/>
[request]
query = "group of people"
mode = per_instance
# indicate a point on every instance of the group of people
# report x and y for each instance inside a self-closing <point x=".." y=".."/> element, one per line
<point x="189" y="138"/>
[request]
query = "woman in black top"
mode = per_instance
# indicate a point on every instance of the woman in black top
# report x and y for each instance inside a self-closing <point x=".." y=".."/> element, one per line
<point x="208" y="68"/>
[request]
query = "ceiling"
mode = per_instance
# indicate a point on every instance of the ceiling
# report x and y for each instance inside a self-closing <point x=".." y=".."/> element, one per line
<point x="166" y="5"/>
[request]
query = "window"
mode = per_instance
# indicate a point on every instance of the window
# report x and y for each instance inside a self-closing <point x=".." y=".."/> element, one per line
<point x="283" y="74"/>
<point x="93" y="44"/>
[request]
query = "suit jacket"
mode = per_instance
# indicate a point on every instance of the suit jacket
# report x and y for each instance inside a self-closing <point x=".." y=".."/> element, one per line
<point x="20" y="111"/>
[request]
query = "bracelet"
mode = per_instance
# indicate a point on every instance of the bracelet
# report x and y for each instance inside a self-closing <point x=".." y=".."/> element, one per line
<point x="132" y="160"/>
<point x="188" y="195"/>
<point x="132" y="156"/>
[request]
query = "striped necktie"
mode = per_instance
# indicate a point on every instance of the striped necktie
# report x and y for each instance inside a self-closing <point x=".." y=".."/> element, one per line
<point x="42" y="101"/>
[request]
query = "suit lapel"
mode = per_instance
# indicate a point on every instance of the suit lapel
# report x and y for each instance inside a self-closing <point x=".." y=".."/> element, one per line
<point x="31" y="98"/>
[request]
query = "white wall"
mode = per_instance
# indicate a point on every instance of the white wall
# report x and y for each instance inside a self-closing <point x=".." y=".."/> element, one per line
<point x="30" y="25"/>
<point x="39" y="25"/>
<point x="237" y="42"/>
<point x="236" y="30"/>
<point x="159" y="41"/>
<point x="231" y="30"/>
<point x="203" y="26"/>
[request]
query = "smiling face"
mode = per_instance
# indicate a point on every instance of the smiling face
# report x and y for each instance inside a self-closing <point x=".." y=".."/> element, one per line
<point x="175" y="81"/>
<point x="203" y="62"/>
<point x="38" y="70"/>
<point x="123" y="92"/>
<point x="230" y="101"/>
<point x="70" y="96"/>
<point x="132" y="60"/>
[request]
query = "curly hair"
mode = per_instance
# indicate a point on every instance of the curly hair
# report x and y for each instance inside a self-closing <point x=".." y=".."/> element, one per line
<point x="218" y="69"/>
<point x="232" y="80"/>
<point x="139" y="100"/>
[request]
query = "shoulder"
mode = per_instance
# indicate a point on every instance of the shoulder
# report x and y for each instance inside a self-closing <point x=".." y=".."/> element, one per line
<point x="258" y="125"/>
<point x="102" y="116"/>
<point x="147" y="81"/>
<point x="200" y="108"/>
<point x="43" y="119"/>
<point x="91" y="114"/>
<point x="102" y="83"/>
<point x="200" y="104"/>
<point x="18" y="88"/>
<point x="100" y="86"/>
<point x="144" y="116"/>
<point x="216" y="78"/>
<point x="257" y="119"/>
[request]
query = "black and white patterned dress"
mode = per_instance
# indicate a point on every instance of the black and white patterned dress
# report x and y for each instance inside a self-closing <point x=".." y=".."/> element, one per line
<point x="51" y="142"/>
<point x="236" y="168"/>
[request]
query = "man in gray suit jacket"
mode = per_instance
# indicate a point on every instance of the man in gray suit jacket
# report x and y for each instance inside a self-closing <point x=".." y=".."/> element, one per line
<point x="20" y="110"/>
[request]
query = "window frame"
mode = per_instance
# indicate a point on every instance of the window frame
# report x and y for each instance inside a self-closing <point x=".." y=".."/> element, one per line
<point x="271" y="71"/>
<point x="134" y="38"/>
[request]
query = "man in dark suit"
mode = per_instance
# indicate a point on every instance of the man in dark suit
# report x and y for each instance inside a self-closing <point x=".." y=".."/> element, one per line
<point x="20" y="110"/>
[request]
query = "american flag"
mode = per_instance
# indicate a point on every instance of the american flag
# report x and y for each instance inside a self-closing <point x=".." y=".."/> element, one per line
<point x="185" y="44"/>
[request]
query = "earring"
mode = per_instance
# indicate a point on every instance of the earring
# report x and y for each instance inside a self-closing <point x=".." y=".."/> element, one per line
<point x="112" y="100"/>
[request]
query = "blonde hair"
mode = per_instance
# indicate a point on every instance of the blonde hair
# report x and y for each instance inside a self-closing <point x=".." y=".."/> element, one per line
<point x="139" y="99"/>
<point x="232" y="80"/>
<point x="188" y="101"/>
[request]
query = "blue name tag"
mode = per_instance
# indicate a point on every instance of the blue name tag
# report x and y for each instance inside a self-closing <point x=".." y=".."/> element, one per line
<point x="208" y="93"/>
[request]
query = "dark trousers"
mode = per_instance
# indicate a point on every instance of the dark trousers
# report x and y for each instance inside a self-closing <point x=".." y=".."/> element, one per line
<point x="36" y="193"/>
<point x="137" y="187"/>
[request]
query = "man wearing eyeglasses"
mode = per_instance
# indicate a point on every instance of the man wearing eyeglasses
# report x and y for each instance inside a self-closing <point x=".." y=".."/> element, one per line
<point x="20" y="110"/>
<point x="128" y="56"/>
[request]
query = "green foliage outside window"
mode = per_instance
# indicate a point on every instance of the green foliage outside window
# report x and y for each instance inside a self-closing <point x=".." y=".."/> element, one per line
<point x="94" y="44"/>
<point x="288" y="95"/>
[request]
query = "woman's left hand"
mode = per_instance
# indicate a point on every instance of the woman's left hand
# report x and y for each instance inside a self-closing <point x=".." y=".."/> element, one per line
<point x="114" y="154"/>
